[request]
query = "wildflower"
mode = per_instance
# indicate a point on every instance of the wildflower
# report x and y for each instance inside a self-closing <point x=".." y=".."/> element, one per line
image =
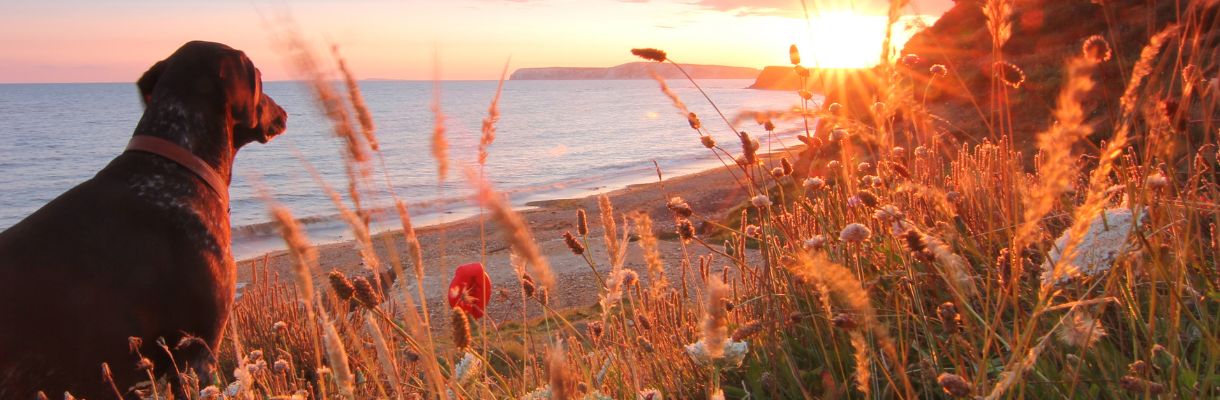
<point x="753" y="231"/>
<point x="888" y="213"/>
<point x="1108" y="237"/>
<point x="467" y="368"/>
<point x="628" y="277"/>
<point x="679" y="207"/>
<point x="911" y="60"/>
<point x="855" y="233"/>
<point x="573" y="244"/>
<point x="835" y="108"/>
<point x="879" y="108"/>
<point x="864" y="167"/>
<point x="280" y="366"/>
<point x="786" y="166"/>
<point x="1096" y="49"/>
<point x="793" y="55"/>
<point x="814" y="183"/>
<point x="686" y="230"/>
<point x="650" y="54"/>
<point x="233" y="389"/>
<point x="1080" y="329"/>
<point x="921" y="152"/>
<point x="279" y="326"/>
<point x="649" y="394"/>
<point x="954" y="385"/>
<point x="256" y="355"/>
<point x="815" y="242"/>
<point x="734" y="353"/>
<point x="898" y="151"/>
<point x="365" y="292"/>
<point x="853" y="201"/>
<point x="777" y="172"/>
<point x="769" y="126"/>
<point x="341" y="285"/>
<point x="939" y="71"/>
<point x="833" y="165"/>
<point x="749" y="147"/>
<point x="805" y="94"/>
<point x="708" y="141"/>
<point x="953" y="196"/>
<point x="209" y="393"/>
<point x="582" y="223"/>
<point x="1009" y="74"/>
<point x="760" y="201"/>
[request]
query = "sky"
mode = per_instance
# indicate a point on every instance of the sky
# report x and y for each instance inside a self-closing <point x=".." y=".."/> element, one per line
<point x="116" y="40"/>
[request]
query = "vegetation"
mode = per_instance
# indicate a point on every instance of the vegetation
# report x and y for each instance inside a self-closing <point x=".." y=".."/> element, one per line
<point x="893" y="259"/>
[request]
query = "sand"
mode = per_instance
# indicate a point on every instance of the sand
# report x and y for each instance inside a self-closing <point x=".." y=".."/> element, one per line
<point x="710" y="193"/>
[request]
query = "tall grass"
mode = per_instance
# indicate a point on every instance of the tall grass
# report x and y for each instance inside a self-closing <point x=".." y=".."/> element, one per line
<point x="905" y="266"/>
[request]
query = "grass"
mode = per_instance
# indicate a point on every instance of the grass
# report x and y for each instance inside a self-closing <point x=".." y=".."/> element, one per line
<point x="944" y="297"/>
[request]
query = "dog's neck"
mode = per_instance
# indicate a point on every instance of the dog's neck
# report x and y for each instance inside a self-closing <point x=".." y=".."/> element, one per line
<point x="195" y="129"/>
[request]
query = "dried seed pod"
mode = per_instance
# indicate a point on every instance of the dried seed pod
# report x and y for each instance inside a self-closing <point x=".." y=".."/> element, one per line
<point x="341" y="285"/>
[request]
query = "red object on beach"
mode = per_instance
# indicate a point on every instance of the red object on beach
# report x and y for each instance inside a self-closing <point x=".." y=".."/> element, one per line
<point x="470" y="289"/>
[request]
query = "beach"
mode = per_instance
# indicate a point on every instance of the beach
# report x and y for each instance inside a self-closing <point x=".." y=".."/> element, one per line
<point x="711" y="193"/>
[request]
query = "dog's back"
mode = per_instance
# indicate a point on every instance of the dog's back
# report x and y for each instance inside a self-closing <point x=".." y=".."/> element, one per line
<point x="108" y="260"/>
<point x="141" y="250"/>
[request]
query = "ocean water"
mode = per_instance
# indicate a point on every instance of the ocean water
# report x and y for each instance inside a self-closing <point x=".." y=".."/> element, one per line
<point x="555" y="139"/>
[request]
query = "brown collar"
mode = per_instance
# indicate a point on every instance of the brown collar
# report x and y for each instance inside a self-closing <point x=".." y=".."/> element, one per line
<point x="181" y="156"/>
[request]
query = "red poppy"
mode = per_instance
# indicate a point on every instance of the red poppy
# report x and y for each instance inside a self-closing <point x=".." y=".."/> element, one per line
<point x="470" y="289"/>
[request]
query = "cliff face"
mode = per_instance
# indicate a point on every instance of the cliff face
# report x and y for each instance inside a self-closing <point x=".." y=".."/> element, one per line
<point x="1045" y="34"/>
<point x="635" y="70"/>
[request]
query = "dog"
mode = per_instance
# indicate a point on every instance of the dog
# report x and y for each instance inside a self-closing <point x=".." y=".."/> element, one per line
<point x="140" y="252"/>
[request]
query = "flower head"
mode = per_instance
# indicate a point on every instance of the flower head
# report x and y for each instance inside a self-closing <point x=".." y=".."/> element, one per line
<point x="760" y="201"/>
<point x="939" y="71"/>
<point x="855" y="233"/>
<point x="814" y="183"/>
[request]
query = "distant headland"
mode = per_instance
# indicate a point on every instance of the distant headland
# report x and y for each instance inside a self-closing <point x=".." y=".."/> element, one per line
<point x="635" y="70"/>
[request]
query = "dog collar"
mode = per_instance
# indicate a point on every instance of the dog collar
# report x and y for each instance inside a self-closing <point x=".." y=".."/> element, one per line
<point x="181" y="156"/>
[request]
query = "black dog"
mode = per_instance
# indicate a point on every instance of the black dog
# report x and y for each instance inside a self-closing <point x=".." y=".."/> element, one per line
<point x="141" y="250"/>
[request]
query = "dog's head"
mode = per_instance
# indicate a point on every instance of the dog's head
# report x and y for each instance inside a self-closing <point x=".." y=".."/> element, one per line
<point x="219" y="78"/>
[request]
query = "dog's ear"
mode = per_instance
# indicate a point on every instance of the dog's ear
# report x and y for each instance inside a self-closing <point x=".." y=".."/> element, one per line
<point x="148" y="81"/>
<point x="245" y="90"/>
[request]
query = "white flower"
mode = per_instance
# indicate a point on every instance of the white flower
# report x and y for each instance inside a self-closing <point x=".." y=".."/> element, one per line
<point x="1156" y="181"/>
<point x="898" y="151"/>
<point x="1108" y="236"/>
<point x="753" y="231"/>
<point x="1080" y="329"/>
<point x="864" y="166"/>
<point x="469" y="367"/>
<point x="233" y="389"/>
<point x="761" y="201"/>
<point x="209" y="393"/>
<point x="855" y="233"/>
<point x="814" y="183"/>
<point x="837" y="133"/>
<point x="888" y="213"/>
<point x="734" y="353"/>
<point x="815" y="242"/>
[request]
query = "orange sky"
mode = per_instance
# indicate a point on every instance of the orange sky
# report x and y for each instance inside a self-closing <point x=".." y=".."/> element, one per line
<point x="115" y="41"/>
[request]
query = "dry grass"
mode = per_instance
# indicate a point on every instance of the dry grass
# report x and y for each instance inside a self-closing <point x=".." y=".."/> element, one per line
<point x="940" y="297"/>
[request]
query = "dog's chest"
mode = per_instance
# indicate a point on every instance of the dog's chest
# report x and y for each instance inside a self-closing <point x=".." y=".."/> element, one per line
<point x="188" y="205"/>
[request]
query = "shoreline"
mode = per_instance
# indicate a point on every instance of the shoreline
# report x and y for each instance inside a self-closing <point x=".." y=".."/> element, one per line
<point x="711" y="192"/>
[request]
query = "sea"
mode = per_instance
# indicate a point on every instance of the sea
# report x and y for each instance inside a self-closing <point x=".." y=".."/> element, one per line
<point x="554" y="139"/>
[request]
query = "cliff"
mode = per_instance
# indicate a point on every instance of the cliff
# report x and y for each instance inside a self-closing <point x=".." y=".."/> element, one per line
<point x="635" y="70"/>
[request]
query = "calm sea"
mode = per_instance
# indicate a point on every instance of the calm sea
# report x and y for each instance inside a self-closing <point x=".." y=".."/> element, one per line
<point x="555" y="139"/>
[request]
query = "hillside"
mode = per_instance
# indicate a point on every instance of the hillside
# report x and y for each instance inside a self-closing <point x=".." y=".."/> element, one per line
<point x="635" y="70"/>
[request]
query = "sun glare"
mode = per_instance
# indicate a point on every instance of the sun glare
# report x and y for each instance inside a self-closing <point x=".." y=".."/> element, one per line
<point x="848" y="40"/>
